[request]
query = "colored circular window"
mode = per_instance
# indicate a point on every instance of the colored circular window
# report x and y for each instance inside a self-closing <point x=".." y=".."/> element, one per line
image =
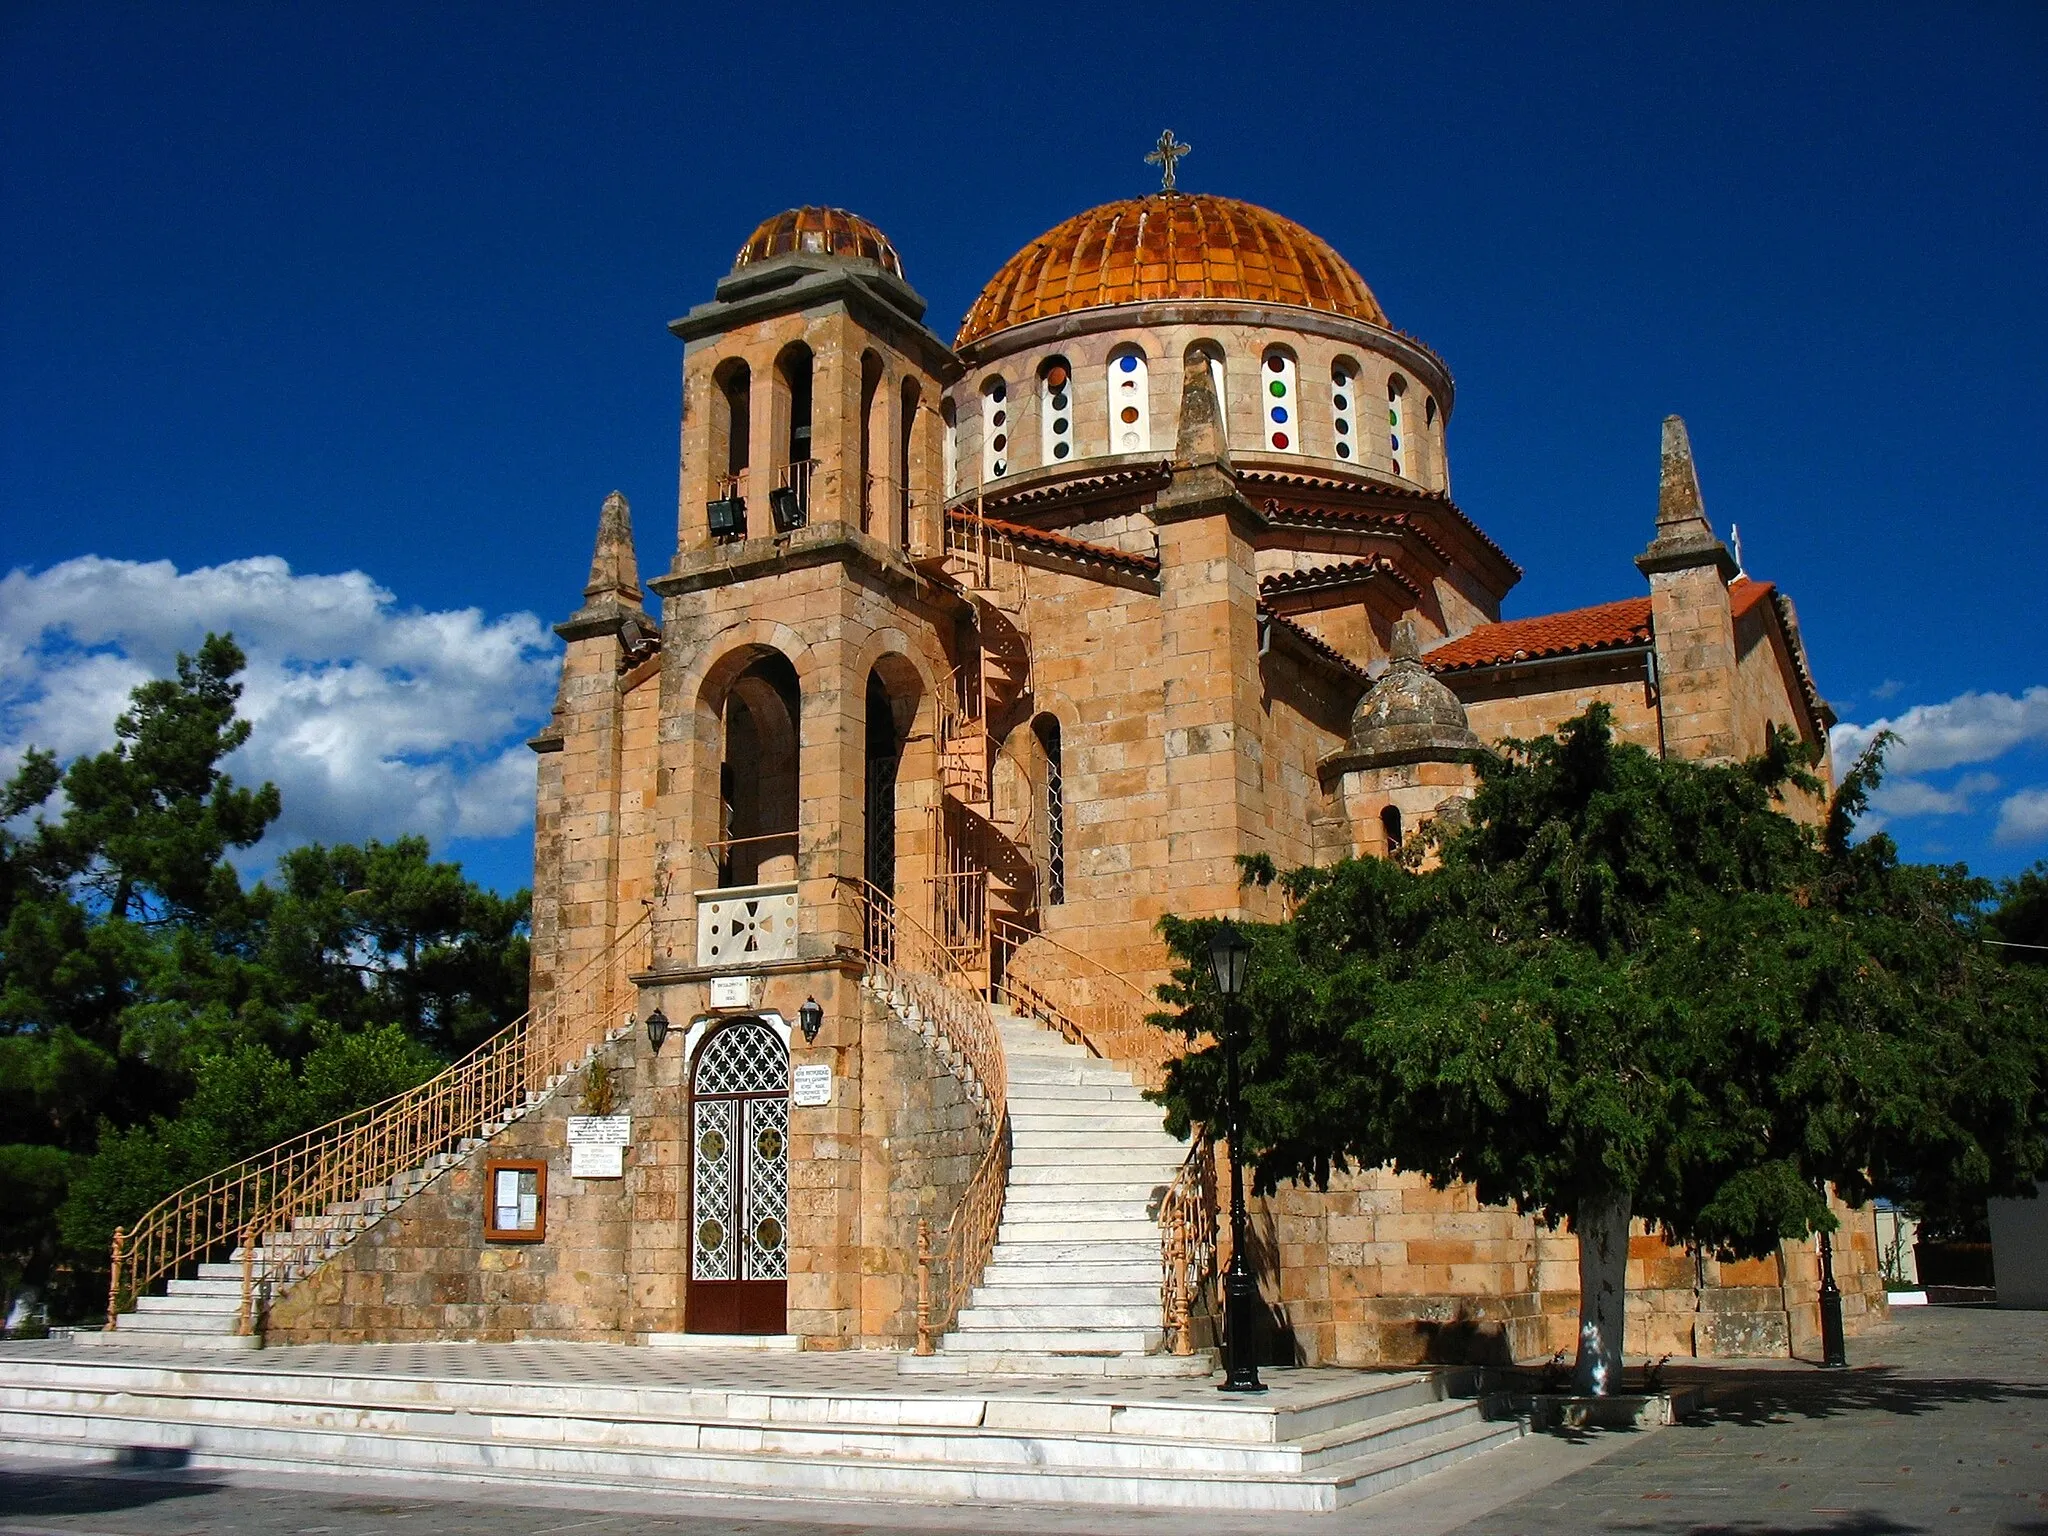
<point x="711" y="1146"/>
<point x="1277" y="364"/>
<point x="768" y="1234"/>
<point x="1278" y="387"/>
<point x="1055" y="377"/>
<point x="1061" y="450"/>
<point x="1341" y="403"/>
<point x="1343" y="425"/>
<point x="1394" y="443"/>
<point x="1002" y="441"/>
<point x="1059" y="402"/>
<point x="1001" y="467"/>
<point x="1128" y="364"/>
<point x="1130" y="439"/>
<point x="1397" y="466"/>
<point x="1343" y="450"/>
<point x="710" y="1236"/>
<point x="769" y="1143"/>
<point x="1130" y="415"/>
<point x="1279" y="439"/>
<point x="1279" y="413"/>
<point x="995" y="390"/>
<point x="999" y="418"/>
<point x="1059" y="424"/>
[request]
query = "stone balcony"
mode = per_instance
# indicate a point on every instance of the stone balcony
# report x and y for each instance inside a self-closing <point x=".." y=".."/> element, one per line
<point x="746" y="925"/>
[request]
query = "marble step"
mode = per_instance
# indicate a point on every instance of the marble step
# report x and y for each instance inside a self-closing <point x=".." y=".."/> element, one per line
<point x="998" y="1314"/>
<point x="1017" y="1269"/>
<point x="214" y="1285"/>
<point x="1043" y="1226"/>
<point x="1155" y="1174"/>
<point x="1132" y="1367"/>
<point x="1136" y="1293"/>
<point x="1132" y="1340"/>
<point x="1047" y="1202"/>
<point x="183" y="1304"/>
<point x="1146" y="1152"/>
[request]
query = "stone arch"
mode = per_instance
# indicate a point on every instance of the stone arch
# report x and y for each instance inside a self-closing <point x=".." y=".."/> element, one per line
<point x="748" y="720"/>
<point x="730" y="447"/>
<point x="795" y="374"/>
<point x="1211" y="352"/>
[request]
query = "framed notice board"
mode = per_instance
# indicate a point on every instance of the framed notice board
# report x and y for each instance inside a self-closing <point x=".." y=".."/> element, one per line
<point x="515" y="1200"/>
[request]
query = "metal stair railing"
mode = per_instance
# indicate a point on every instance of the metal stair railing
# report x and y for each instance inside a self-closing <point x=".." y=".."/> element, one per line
<point x="906" y="960"/>
<point x="366" y="1149"/>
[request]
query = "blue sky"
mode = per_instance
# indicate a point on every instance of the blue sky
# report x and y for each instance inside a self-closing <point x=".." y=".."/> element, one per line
<point x="337" y="323"/>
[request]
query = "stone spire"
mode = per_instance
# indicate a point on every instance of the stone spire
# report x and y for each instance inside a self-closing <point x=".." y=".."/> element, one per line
<point x="1202" y="439"/>
<point x="611" y="598"/>
<point x="1684" y="536"/>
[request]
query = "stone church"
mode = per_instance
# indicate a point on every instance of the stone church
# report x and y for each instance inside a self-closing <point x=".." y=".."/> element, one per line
<point x="967" y="662"/>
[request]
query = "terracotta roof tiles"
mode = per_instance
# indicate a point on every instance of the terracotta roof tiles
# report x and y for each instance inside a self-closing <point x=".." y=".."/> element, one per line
<point x="1604" y="627"/>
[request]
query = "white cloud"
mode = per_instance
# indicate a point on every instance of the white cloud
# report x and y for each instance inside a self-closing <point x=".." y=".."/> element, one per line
<point x="2024" y="817"/>
<point x="1970" y="728"/>
<point x="1916" y="797"/>
<point x="373" y="720"/>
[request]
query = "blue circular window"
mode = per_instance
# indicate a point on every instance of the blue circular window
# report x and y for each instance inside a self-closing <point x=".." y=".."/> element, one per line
<point x="1279" y="413"/>
<point x="1128" y="364"/>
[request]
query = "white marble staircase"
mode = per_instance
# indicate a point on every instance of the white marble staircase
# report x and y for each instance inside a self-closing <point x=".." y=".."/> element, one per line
<point x="1073" y="1287"/>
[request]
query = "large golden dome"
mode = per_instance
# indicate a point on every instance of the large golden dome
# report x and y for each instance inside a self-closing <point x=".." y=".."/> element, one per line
<point x="822" y="232"/>
<point x="1170" y="245"/>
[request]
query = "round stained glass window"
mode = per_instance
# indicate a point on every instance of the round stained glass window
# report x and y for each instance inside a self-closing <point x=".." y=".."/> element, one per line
<point x="1059" y="423"/>
<point x="710" y="1235"/>
<point x="995" y="390"/>
<point x="1277" y="364"/>
<point x="1279" y="413"/>
<point x="1397" y="466"/>
<point x="1130" y="415"/>
<point x="1055" y="377"/>
<point x="1061" y="450"/>
<point x="1343" y="450"/>
<point x="1278" y="387"/>
<point x="1000" y="466"/>
<point x="1394" y="443"/>
<point x="1059" y="402"/>
<point x="769" y="1143"/>
<point x="1002" y="441"/>
<point x="711" y="1145"/>
<point x="1343" y="425"/>
<point x="999" y="418"/>
<point x="1128" y="364"/>
<point x="1341" y="403"/>
<point x="1130" y="440"/>
<point x="768" y="1234"/>
<point x="1279" y="439"/>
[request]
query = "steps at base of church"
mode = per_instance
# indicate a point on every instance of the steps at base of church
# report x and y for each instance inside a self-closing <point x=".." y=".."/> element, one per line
<point x="830" y="1427"/>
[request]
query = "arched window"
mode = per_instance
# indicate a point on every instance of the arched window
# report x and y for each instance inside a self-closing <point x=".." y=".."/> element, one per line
<point x="995" y="429"/>
<point x="1212" y="355"/>
<point x="758" y="778"/>
<point x="873" y="443"/>
<point x="1390" y="828"/>
<point x="1130" y="402"/>
<point x="1280" y="401"/>
<point x="1344" y="409"/>
<point x="1047" y="729"/>
<point x="906" y="440"/>
<point x="1397" y="390"/>
<point x="949" y="448"/>
<point x="732" y="413"/>
<point x="1055" y="411"/>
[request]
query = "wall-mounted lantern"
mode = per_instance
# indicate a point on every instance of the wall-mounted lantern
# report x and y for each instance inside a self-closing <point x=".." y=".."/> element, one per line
<point x="812" y="1019"/>
<point x="657" y="1030"/>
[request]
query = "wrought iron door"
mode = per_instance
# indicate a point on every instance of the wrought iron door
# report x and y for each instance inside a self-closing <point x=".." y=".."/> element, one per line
<point x="739" y="1182"/>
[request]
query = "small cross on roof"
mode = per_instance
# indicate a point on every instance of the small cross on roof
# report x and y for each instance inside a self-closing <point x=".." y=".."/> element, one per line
<point x="1164" y="154"/>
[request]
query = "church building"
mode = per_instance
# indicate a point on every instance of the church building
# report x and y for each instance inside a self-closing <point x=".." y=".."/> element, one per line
<point x="962" y="663"/>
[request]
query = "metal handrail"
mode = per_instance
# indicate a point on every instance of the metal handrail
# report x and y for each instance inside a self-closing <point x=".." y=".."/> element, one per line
<point x="246" y="1202"/>
<point x="1083" y="999"/>
<point x="1188" y="1225"/>
<point x="909" y="962"/>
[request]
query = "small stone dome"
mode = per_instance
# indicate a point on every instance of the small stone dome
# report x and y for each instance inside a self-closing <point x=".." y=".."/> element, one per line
<point x="1170" y="245"/>
<point x="819" y="232"/>
<point x="1407" y="712"/>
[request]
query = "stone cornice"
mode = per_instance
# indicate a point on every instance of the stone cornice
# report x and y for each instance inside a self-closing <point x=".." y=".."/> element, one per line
<point x="701" y="570"/>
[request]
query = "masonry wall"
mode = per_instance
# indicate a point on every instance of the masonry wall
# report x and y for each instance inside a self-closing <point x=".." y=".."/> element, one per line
<point x="1532" y="701"/>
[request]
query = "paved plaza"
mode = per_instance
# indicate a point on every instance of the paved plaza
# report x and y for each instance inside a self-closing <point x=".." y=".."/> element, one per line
<point x="1941" y="1426"/>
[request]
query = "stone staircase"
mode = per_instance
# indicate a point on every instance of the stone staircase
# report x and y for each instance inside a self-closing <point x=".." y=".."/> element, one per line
<point x="1073" y="1287"/>
<point x="205" y="1311"/>
<point x="833" y="1426"/>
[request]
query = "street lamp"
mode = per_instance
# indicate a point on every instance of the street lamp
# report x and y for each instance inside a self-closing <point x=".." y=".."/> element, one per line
<point x="657" y="1030"/>
<point x="810" y="1018"/>
<point x="1834" y="1346"/>
<point x="1230" y="955"/>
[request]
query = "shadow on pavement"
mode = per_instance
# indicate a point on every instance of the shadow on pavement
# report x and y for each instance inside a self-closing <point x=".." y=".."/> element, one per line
<point x="1766" y="1397"/>
<point x="100" y="1490"/>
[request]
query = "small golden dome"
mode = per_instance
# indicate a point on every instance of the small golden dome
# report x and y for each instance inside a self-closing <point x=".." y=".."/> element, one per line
<point x="820" y="232"/>
<point x="1169" y="245"/>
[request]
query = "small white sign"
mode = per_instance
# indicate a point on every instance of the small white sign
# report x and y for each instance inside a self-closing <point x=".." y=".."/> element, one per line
<point x="731" y="992"/>
<point x="597" y="1160"/>
<point x="811" y="1087"/>
<point x="600" y="1130"/>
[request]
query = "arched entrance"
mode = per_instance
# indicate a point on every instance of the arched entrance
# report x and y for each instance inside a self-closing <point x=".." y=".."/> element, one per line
<point x="739" y="1181"/>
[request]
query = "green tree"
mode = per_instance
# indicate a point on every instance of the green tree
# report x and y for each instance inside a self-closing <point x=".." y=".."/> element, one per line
<point x="1634" y="988"/>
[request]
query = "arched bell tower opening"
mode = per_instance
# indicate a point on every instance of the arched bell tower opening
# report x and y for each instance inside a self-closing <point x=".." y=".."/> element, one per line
<point x="757" y="776"/>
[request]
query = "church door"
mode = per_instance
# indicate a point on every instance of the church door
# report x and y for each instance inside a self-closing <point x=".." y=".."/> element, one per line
<point x="739" y="1181"/>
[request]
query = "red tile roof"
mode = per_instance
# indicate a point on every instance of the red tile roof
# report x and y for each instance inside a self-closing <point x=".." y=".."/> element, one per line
<point x="1341" y="573"/>
<point x="1062" y="544"/>
<point x="1605" y="627"/>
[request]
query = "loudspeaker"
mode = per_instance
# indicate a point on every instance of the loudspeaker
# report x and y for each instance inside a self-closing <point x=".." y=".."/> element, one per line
<point x="728" y="517"/>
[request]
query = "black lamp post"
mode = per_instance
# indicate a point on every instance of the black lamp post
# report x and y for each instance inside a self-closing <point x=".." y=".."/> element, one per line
<point x="1834" y="1346"/>
<point x="1230" y="953"/>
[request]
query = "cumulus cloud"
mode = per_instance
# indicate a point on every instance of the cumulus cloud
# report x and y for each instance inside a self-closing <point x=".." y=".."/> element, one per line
<point x="373" y="720"/>
<point x="1936" y="738"/>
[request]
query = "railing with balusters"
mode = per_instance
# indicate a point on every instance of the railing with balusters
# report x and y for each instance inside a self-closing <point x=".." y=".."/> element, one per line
<point x="1096" y="1008"/>
<point x="260" y="1196"/>
<point x="909" y="961"/>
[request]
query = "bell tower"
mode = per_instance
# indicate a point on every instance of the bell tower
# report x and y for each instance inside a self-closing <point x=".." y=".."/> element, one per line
<point x="811" y="391"/>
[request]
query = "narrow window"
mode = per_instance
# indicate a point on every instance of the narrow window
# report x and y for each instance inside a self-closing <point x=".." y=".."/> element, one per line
<point x="1130" y="403"/>
<point x="1222" y="394"/>
<point x="1344" y="408"/>
<point x="872" y="440"/>
<point x="949" y="449"/>
<point x="1397" y="389"/>
<point x="1280" y="397"/>
<point x="1390" y="828"/>
<point x="995" y="429"/>
<point x="1055" y="411"/>
<point x="1048" y="730"/>
<point x="906" y="456"/>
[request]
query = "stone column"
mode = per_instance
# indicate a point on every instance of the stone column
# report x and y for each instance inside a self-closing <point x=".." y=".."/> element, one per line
<point x="1690" y="617"/>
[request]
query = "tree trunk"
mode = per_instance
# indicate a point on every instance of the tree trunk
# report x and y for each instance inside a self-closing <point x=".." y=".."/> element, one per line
<point x="1602" y="1228"/>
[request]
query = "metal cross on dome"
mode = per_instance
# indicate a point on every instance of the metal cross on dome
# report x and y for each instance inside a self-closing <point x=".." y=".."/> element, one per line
<point x="1164" y="154"/>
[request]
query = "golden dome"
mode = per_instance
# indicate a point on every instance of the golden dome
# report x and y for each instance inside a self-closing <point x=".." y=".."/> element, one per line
<point x="822" y="232"/>
<point x="1170" y="245"/>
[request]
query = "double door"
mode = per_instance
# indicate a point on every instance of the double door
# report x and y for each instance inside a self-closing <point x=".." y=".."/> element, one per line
<point x="739" y="1182"/>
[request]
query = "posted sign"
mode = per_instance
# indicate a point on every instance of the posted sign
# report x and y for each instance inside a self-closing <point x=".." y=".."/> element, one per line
<point x="597" y="1145"/>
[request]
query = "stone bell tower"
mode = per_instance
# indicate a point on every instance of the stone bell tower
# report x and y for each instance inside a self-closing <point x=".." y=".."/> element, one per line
<point x="1690" y="613"/>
